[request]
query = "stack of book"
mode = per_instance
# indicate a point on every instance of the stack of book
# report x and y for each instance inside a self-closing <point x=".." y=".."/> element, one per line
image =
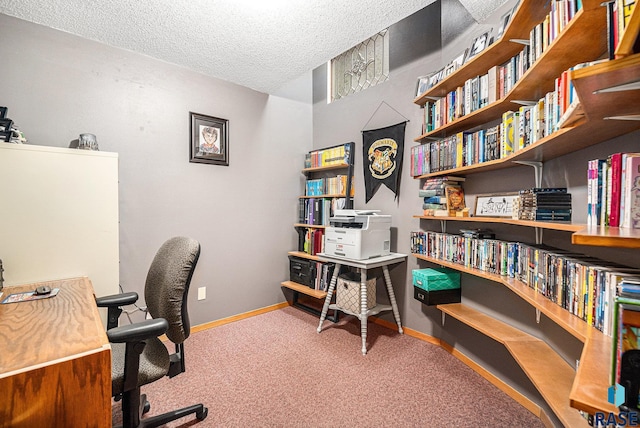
<point x="441" y="195"/>
<point x="613" y="191"/>
<point x="545" y="204"/>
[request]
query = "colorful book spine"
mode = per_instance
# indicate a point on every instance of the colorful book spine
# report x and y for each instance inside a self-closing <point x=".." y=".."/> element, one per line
<point x="616" y="176"/>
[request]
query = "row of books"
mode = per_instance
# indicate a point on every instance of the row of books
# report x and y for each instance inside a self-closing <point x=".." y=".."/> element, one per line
<point x="584" y="286"/>
<point x="544" y="204"/>
<point x="478" y="44"/>
<point x="613" y="191"/>
<point x="517" y="130"/>
<point x="318" y="211"/>
<point x="327" y="157"/>
<point x="311" y="241"/>
<point x="540" y="37"/>
<point x="322" y="275"/>
<point x="543" y="34"/>
<point x="619" y="17"/>
<point x="335" y="186"/>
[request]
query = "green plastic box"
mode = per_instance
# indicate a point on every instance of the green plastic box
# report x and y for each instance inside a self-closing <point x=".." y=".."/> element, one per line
<point x="435" y="286"/>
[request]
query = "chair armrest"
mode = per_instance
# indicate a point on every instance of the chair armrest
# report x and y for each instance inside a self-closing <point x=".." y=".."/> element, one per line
<point x="138" y="331"/>
<point x="121" y="299"/>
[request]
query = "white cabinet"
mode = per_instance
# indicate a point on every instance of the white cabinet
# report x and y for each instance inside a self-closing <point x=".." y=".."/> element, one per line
<point x="59" y="215"/>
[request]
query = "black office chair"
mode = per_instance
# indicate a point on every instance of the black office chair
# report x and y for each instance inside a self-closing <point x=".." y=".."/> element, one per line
<point x="138" y="355"/>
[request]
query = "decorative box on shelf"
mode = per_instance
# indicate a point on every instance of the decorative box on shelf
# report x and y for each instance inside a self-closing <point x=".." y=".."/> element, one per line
<point x="348" y="292"/>
<point x="435" y="286"/>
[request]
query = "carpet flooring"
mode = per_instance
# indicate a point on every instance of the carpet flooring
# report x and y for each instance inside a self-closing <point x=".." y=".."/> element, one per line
<point x="274" y="370"/>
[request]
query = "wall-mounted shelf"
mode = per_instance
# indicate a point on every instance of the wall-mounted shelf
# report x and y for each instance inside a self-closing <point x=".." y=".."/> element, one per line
<point x="565" y="51"/>
<point x="310" y="226"/>
<point x="325" y="168"/>
<point x="589" y="390"/>
<point x="629" y="38"/>
<point x="304" y="255"/>
<point x="549" y="373"/>
<point x="603" y="236"/>
<point x="569" y="227"/>
<point x="316" y="294"/>
<point x="529" y="13"/>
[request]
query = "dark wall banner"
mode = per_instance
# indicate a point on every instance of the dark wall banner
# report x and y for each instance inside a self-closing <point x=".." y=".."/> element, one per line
<point x="382" y="149"/>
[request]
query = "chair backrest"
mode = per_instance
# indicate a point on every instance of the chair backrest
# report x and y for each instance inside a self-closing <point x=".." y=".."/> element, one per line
<point x="167" y="285"/>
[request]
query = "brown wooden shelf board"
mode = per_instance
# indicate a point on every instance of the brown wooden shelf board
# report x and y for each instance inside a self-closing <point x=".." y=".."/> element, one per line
<point x="325" y="168"/>
<point x="304" y="255"/>
<point x="317" y="294"/>
<point x="603" y="236"/>
<point x="485" y="324"/>
<point x="568" y="227"/>
<point x="550" y="374"/>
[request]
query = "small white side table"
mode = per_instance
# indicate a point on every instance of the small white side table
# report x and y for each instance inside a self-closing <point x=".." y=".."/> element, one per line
<point x="363" y="266"/>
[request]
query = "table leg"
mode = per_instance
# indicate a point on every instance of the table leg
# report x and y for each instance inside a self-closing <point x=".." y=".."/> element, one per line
<point x="363" y="309"/>
<point x="392" y="298"/>
<point x="327" y="300"/>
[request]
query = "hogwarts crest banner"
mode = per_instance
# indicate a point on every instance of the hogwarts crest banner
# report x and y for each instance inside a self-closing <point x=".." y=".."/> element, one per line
<point x="382" y="158"/>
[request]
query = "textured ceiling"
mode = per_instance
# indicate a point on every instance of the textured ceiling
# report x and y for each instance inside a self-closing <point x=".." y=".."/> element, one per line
<point x="261" y="44"/>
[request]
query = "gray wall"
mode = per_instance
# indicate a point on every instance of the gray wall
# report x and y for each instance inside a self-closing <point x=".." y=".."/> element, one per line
<point x="57" y="86"/>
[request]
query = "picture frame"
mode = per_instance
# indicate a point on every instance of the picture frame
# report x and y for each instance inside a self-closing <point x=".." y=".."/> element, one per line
<point x="209" y="139"/>
<point x="495" y="205"/>
<point x="479" y="44"/>
<point x="455" y="199"/>
<point x="459" y="60"/>
<point x="423" y="84"/>
<point x="504" y="22"/>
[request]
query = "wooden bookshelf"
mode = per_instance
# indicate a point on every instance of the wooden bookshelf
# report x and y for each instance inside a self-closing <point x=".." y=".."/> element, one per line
<point x="568" y="227"/>
<point x="588" y="391"/>
<point x="610" y="90"/>
<point x="608" y="107"/>
<point x="529" y="14"/>
<point x="630" y="36"/>
<point x="316" y="294"/>
<point x="304" y="255"/>
<point x="564" y="141"/>
<point x="551" y="375"/>
<point x="310" y="226"/>
<point x="603" y="236"/>
<point x="325" y="168"/>
<point x="567" y="321"/>
<point x="323" y="196"/>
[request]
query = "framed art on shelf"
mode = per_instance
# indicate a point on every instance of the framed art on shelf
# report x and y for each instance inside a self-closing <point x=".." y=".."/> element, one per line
<point x="423" y="84"/>
<point x="455" y="199"/>
<point x="209" y="140"/>
<point x="495" y="205"/>
<point x="478" y="45"/>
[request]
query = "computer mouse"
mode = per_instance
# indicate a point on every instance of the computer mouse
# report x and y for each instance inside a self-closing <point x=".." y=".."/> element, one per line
<point x="43" y="289"/>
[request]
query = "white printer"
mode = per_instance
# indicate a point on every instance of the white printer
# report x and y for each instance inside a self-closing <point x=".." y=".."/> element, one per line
<point x="358" y="234"/>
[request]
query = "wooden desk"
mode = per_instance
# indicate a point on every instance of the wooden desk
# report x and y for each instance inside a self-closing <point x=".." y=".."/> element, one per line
<point x="55" y="359"/>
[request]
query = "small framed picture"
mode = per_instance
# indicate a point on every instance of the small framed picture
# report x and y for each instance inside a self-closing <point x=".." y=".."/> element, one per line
<point x="209" y="142"/>
<point x="495" y="205"/>
<point x="478" y="45"/>
<point x="455" y="199"/>
<point x="423" y="84"/>
<point x="436" y="78"/>
<point x="459" y="60"/>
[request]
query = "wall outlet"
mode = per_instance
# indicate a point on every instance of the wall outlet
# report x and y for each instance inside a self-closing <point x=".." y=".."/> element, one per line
<point x="202" y="293"/>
